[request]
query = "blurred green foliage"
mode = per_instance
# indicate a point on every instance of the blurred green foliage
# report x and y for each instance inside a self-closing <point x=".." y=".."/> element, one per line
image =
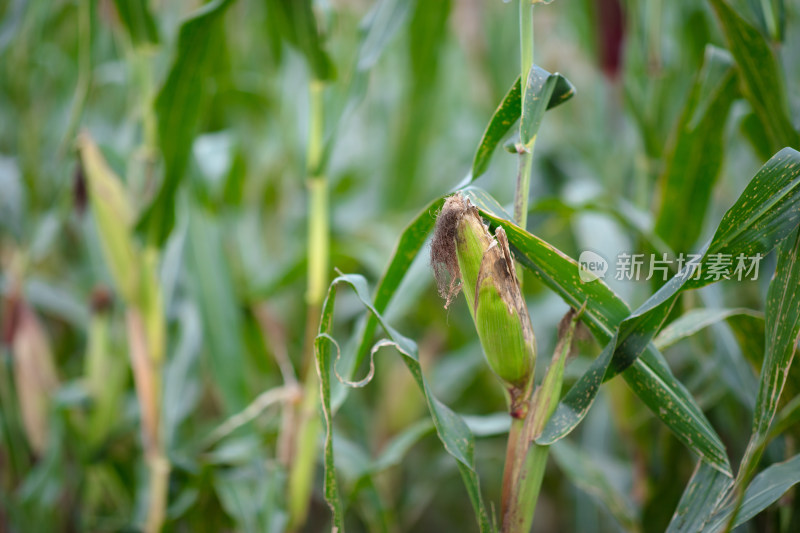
<point x="202" y="111"/>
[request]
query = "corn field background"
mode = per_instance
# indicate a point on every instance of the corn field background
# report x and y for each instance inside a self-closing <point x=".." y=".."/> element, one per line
<point x="219" y="311"/>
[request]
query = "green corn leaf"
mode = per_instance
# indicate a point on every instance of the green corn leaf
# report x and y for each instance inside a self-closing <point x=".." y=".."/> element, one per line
<point x="739" y="376"/>
<point x="786" y="417"/>
<point x="379" y="26"/>
<point x="451" y="429"/>
<point x="427" y="23"/>
<point x="765" y="489"/>
<point x="760" y="75"/>
<point x="696" y="320"/>
<point x="559" y="90"/>
<point x="137" y="19"/>
<point x="211" y="281"/>
<point x="396" y="449"/>
<point x="377" y="29"/>
<point x="649" y="376"/>
<point x="488" y="425"/>
<point x="705" y="490"/>
<point x="766" y="211"/>
<point x="182" y="381"/>
<point x="584" y="472"/>
<point x="295" y="19"/>
<point x="354" y="465"/>
<point x="408" y="246"/>
<point x="764" y="214"/>
<point x="251" y="494"/>
<point x="750" y="333"/>
<point x="392" y="455"/>
<point x="623" y="213"/>
<point x="548" y="393"/>
<point x="769" y="16"/>
<point x="539" y="89"/>
<point x="695" y="159"/>
<point x="373" y="510"/>
<point x="324" y="363"/>
<point x="504" y="117"/>
<point x="783" y="328"/>
<point x="57" y="301"/>
<point x="753" y="130"/>
<point x="772" y="15"/>
<point x="668" y="399"/>
<point x="179" y="107"/>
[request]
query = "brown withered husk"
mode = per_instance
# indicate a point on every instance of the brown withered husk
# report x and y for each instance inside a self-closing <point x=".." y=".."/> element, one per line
<point x="443" y="247"/>
<point x="34" y="376"/>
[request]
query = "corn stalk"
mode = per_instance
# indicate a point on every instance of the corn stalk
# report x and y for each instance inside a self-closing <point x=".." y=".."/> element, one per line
<point x="134" y="274"/>
<point x="481" y="265"/>
<point x="308" y="428"/>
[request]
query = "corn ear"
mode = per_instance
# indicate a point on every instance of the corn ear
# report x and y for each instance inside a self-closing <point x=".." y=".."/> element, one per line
<point x="35" y="376"/>
<point x="114" y="216"/>
<point x="484" y="265"/>
<point x="105" y="372"/>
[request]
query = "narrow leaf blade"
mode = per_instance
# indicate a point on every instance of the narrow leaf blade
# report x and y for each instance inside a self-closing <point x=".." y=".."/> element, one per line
<point x="765" y="489"/>
<point x="782" y="329"/>
<point x="706" y="488"/>
<point x="509" y="111"/>
<point x="451" y="429"/>
<point x="763" y="215"/>
<point x="138" y="20"/>
<point x="697" y="319"/>
<point x="584" y="473"/>
<point x="178" y="109"/>
<point x="760" y="73"/>
<point x="695" y="160"/>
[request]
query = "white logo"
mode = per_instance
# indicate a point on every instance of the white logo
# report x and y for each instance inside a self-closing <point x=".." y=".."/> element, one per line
<point x="591" y="266"/>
